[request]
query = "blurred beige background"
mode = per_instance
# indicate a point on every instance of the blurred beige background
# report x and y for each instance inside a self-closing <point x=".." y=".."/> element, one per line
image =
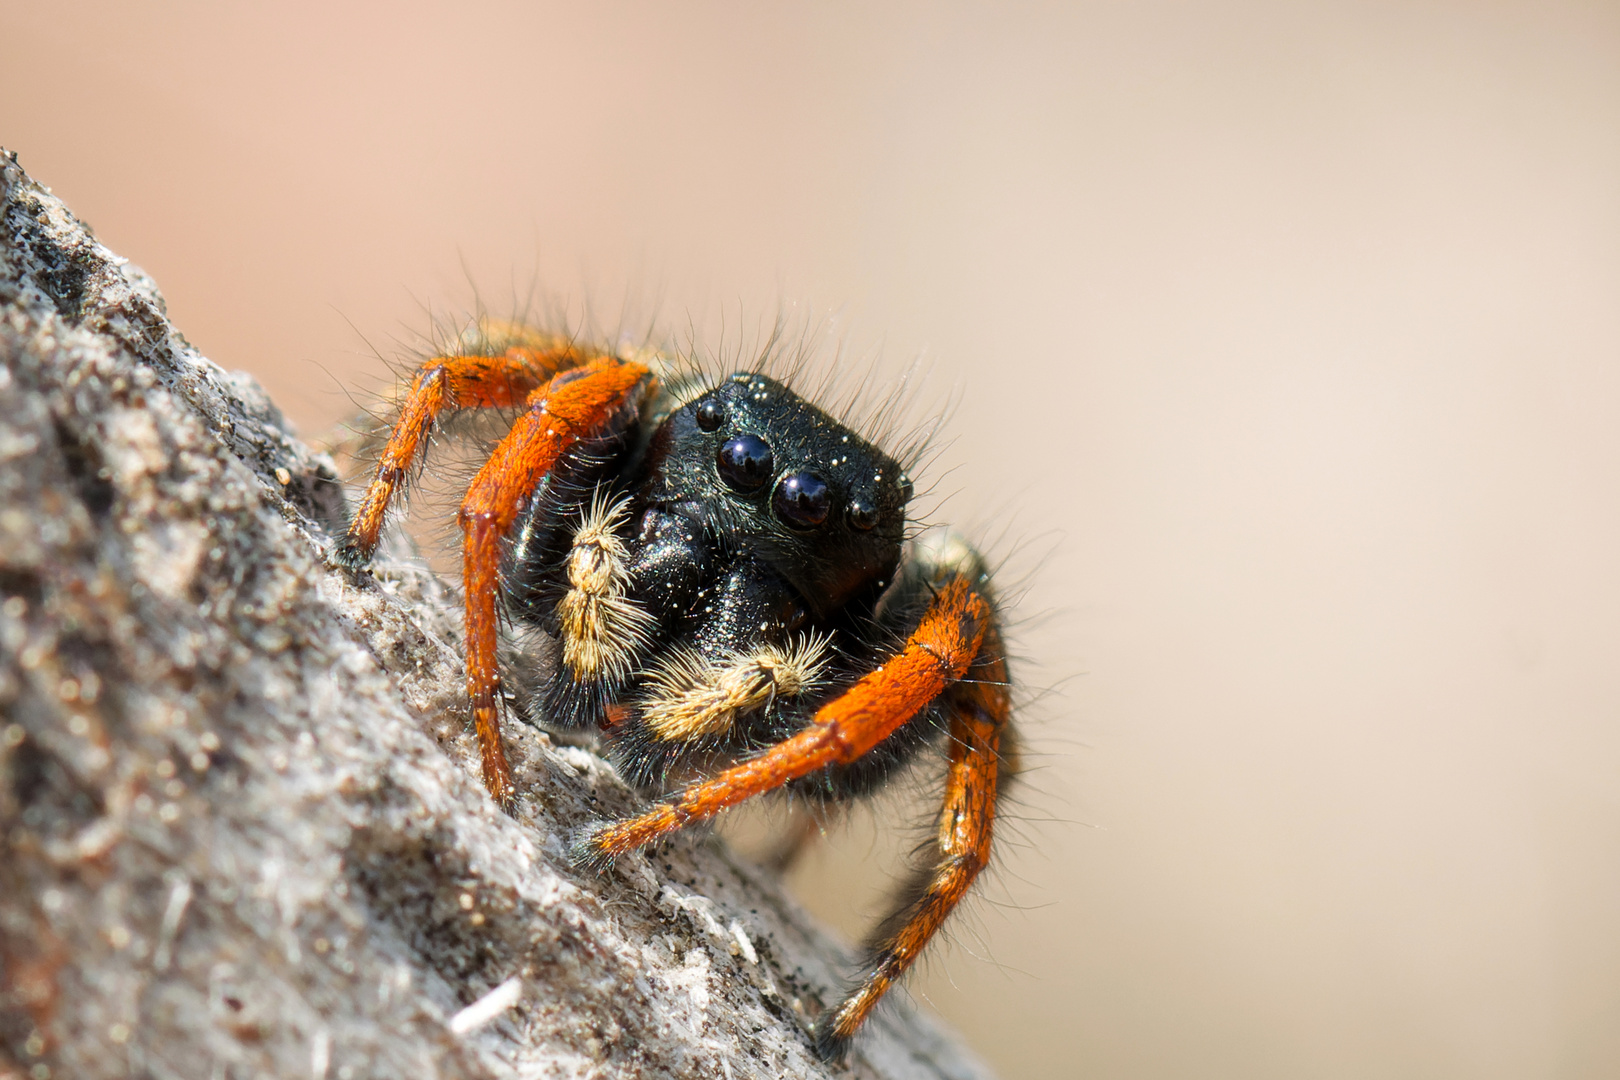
<point x="1291" y="331"/>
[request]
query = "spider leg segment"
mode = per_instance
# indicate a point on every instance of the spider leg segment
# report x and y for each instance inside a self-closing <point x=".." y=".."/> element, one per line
<point x="444" y="384"/>
<point x="692" y="695"/>
<point x="937" y="654"/>
<point x="571" y="407"/>
<point x="980" y="755"/>
<point x="601" y="628"/>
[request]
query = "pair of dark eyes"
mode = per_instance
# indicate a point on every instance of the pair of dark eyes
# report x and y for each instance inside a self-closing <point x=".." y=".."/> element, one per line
<point x="802" y="499"/>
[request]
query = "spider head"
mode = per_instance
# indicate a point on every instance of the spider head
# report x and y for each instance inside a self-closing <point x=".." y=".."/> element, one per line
<point x="768" y="473"/>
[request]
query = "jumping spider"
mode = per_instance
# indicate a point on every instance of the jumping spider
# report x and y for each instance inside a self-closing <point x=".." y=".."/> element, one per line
<point x="726" y="571"/>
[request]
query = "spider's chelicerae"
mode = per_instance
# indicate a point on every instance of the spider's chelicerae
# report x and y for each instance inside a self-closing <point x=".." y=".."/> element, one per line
<point x="727" y="572"/>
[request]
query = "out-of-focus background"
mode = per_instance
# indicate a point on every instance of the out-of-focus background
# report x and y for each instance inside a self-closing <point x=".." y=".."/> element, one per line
<point x="1287" y="338"/>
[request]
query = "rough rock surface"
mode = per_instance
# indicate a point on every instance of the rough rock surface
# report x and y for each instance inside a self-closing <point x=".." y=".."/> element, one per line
<point x="243" y="832"/>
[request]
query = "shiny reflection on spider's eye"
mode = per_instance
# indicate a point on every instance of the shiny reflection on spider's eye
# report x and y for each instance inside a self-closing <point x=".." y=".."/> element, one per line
<point x="862" y="514"/>
<point x="802" y="500"/>
<point x="710" y="414"/>
<point x="745" y="462"/>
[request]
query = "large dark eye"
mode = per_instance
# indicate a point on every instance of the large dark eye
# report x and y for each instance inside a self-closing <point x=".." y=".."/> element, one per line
<point x="710" y="414"/>
<point x="745" y="462"/>
<point x="802" y="500"/>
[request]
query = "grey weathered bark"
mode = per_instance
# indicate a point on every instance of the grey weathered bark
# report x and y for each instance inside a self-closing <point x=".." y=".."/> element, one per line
<point x="243" y="831"/>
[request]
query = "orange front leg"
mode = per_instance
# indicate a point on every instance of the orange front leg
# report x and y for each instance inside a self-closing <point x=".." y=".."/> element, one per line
<point x="572" y="406"/>
<point x="937" y="654"/>
<point x="980" y="710"/>
<point x="444" y="384"/>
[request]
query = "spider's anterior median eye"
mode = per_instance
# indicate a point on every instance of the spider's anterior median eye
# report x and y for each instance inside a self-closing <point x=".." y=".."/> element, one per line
<point x="862" y="514"/>
<point x="802" y="500"/>
<point x="710" y="414"/>
<point x="745" y="462"/>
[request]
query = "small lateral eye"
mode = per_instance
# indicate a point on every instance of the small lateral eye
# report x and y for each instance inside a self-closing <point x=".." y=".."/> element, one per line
<point x="802" y="500"/>
<point x="710" y="414"/>
<point x="862" y="514"/>
<point x="745" y="462"/>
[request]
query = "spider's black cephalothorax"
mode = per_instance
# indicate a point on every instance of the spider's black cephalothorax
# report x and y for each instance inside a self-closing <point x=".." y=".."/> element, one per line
<point x="752" y="521"/>
<point x="724" y="574"/>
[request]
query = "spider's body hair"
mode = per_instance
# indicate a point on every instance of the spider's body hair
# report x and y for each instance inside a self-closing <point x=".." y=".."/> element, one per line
<point x="689" y="695"/>
<point x="602" y="630"/>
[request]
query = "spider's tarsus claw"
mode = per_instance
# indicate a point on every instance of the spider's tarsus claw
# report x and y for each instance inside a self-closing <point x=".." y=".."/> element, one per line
<point x="586" y="854"/>
<point x="830" y="1046"/>
<point x="350" y="554"/>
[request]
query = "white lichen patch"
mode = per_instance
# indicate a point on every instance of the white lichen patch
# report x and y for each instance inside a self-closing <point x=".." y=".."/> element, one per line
<point x="166" y="556"/>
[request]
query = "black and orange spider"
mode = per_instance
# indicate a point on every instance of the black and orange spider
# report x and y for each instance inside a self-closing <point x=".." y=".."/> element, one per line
<point x="726" y="572"/>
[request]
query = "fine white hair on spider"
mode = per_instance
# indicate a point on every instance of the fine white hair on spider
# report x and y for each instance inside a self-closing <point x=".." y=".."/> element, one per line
<point x="689" y="694"/>
<point x="811" y="355"/>
<point x="602" y="629"/>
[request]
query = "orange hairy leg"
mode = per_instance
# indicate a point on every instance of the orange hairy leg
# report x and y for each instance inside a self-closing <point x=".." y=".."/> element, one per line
<point x="571" y="407"/>
<point x="444" y="384"/>
<point x="979" y="711"/>
<point x="937" y="654"/>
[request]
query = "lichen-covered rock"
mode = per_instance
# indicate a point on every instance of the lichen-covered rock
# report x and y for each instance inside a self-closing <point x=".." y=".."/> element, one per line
<point x="242" y="829"/>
